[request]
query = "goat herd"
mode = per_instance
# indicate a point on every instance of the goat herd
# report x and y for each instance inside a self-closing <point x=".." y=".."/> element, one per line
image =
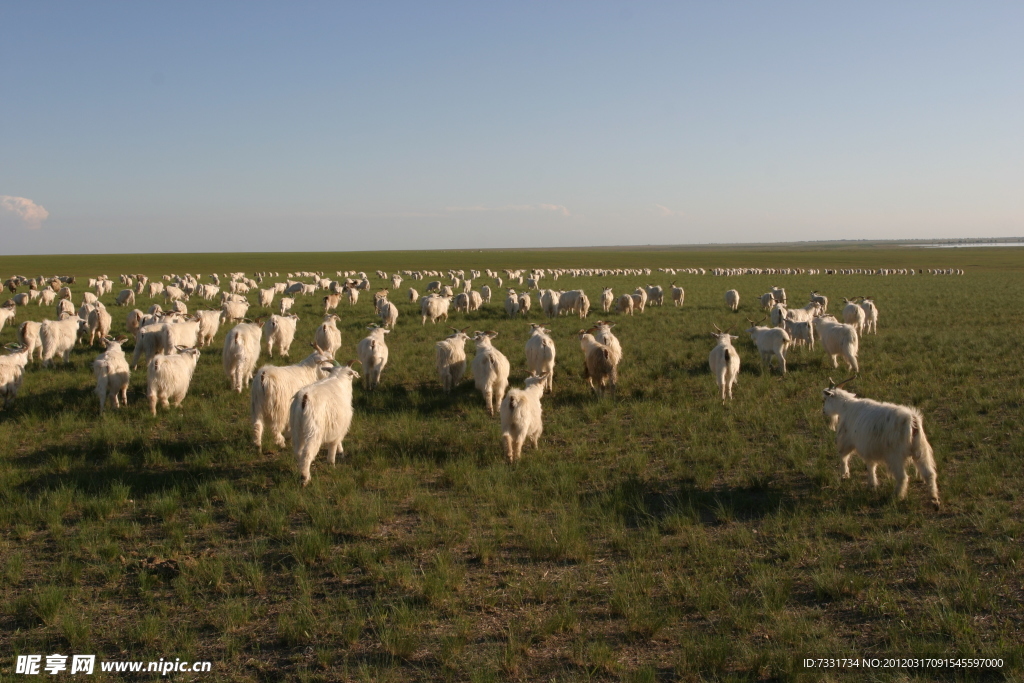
<point x="311" y="401"/>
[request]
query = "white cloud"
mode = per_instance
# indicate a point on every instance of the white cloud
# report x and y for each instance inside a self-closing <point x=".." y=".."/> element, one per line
<point x="556" y="208"/>
<point x="665" y="211"/>
<point x="26" y="211"/>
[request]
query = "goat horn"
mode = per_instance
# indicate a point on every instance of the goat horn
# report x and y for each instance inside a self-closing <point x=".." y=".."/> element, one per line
<point x="354" y="361"/>
<point x="717" y="327"/>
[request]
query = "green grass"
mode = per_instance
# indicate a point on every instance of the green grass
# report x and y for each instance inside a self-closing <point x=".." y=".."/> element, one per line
<point x="662" y="536"/>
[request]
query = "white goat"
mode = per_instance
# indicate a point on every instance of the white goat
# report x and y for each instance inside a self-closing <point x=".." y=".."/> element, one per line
<point x="28" y="336"/>
<point x="388" y="316"/>
<point x="321" y="414"/>
<point x="434" y="307"/>
<point x="373" y="355"/>
<point x="732" y="299"/>
<point x="725" y="362"/>
<point x="598" y="363"/>
<point x="286" y="303"/>
<point x="854" y="315"/>
<point x="838" y="339"/>
<point x="540" y="355"/>
<point x="241" y="353"/>
<point x="168" y="377"/>
<point x="59" y="337"/>
<point x="272" y="390"/>
<point x="603" y="333"/>
<point x="870" y="315"/>
<point x="608" y="298"/>
<point x="279" y="330"/>
<point x="770" y="341"/>
<point x="522" y="416"/>
<point x="678" y="295"/>
<point x="490" y="370"/>
<point x="881" y="434"/>
<point x="451" y="359"/>
<point x="112" y="374"/>
<point x="12" y="372"/>
<point x="209" y="325"/>
<point x="512" y="303"/>
<point x="327" y="336"/>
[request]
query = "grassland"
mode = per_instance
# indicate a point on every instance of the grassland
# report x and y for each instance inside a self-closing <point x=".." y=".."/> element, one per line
<point x="662" y="536"/>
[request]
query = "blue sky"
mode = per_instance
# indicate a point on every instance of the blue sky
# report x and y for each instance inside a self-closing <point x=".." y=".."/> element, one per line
<point x="331" y="126"/>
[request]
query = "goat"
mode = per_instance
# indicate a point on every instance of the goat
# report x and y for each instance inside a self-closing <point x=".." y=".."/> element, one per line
<point x="241" y="353"/>
<point x="770" y="341"/>
<point x="540" y="355"/>
<point x="490" y="370"/>
<point x="168" y="377"/>
<point x="373" y="355"/>
<point x="725" y="362"/>
<point x="838" y="339"/>
<point x="451" y="359"/>
<point x="881" y="434"/>
<point x="112" y="374"/>
<point x="522" y="416"/>
<point x="321" y="414"/>
<point x="273" y="388"/>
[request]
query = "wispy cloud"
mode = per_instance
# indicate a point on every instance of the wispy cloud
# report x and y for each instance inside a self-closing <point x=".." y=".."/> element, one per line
<point x="26" y="211"/>
<point x="555" y="208"/>
<point x="665" y="211"/>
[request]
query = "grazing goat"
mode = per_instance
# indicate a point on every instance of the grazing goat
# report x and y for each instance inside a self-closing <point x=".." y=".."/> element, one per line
<point x="388" y="315"/>
<point x="112" y="374"/>
<point x="540" y="355"/>
<point x="598" y="363"/>
<point x="725" y="362"/>
<point x="279" y="330"/>
<point x="451" y="359"/>
<point x="603" y="334"/>
<point x="838" y="340"/>
<point x="801" y="332"/>
<point x="373" y="355"/>
<point x="770" y="341"/>
<point x="285" y="304"/>
<point x="413" y="295"/>
<point x="273" y="388"/>
<point x="522" y="416"/>
<point x="732" y="300"/>
<point x="821" y="300"/>
<point x="168" y="377"/>
<point x="490" y="370"/>
<point x="321" y="414"/>
<point x="232" y="311"/>
<point x="881" y="434"/>
<point x="328" y="336"/>
<point x="241" y="353"/>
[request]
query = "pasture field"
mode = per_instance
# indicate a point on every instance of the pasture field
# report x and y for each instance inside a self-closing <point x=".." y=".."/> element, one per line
<point x="662" y="536"/>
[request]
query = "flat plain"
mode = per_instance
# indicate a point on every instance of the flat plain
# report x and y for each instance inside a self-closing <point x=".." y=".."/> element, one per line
<point x="659" y="536"/>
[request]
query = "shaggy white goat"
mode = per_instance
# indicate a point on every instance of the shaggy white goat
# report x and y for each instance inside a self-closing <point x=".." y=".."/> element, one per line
<point x="881" y="434"/>
<point x="373" y="355"/>
<point x="512" y="303"/>
<point x="625" y="304"/>
<point x="28" y="336"/>
<point x="112" y="374"/>
<point x="608" y="298"/>
<point x="854" y="315"/>
<point x="522" y="416"/>
<point x="209" y="325"/>
<point x="168" y="377"/>
<point x="59" y="337"/>
<point x="451" y="359"/>
<point x="232" y="311"/>
<point x="279" y="330"/>
<point x="678" y="295"/>
<point x="490" y="370"/>
<point x="286" y="303"/>
<point x="870" y="315"/>
<point x="434" y="307"/>
<point x="272" y="390"/>
<point x="241" y="353"/>
<point x="12" y="372"/>
<point x="540" y="355"/>
<point x="732" y="299"/>
<point x="321" y="414"/>
<point x="327" y="336"/>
